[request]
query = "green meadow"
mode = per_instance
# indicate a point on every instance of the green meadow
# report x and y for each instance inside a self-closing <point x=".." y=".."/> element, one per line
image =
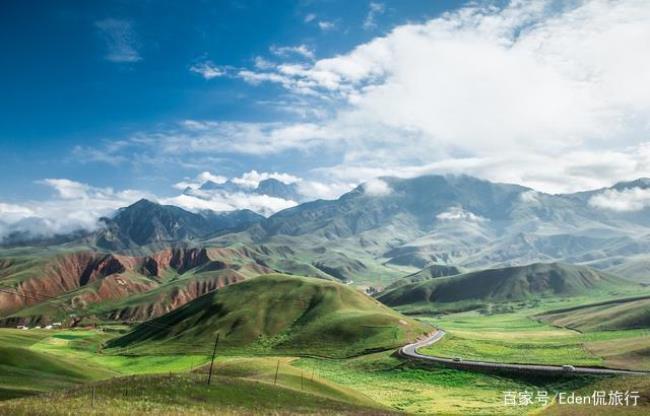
<point x="72" y="364"/>
<point x="76" y="371"/>
<point x="522" y="336"/>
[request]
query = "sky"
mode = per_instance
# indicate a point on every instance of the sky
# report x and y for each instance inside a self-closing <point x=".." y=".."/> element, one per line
<point x="104" y="103"/>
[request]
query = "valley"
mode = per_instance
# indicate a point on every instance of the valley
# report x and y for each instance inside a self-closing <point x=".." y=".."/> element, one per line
<point x="127" y="367"/>
<point x="307" y="308"/>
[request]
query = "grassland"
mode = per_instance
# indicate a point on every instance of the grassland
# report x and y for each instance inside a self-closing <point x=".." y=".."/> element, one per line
<point x="628" y="313"/>
<point x="186" y="394"/>
<point x="416" y="389"/>
<point x="318" y="317"/>
<point x="510" y="284"/>
<point x="55" y="371"/>
<point x="509" y="338"/>
<point x="521" y="337"/>
<point x="377" y="383"/>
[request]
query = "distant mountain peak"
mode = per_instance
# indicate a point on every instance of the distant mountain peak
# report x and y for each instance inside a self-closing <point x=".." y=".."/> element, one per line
<point x="144" y="202"/>
<point x="643" y="183"/>
<point x="146" y="222"/>
<point x="277" y="189"/>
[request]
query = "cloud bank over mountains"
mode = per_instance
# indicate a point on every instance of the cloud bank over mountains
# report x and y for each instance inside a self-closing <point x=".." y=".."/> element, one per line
<point x="550" y="95"/>
<point x="78" y="206"/>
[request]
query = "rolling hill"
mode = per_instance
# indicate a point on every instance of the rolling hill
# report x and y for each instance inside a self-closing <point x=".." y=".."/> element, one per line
<point x="506" y="284"/>
<point x="432" y="271"/>
<point x="631" y="313"/>
<point x="278" y="314"/>
<point x="364" y="238"/>
<point x="43" y="286"/>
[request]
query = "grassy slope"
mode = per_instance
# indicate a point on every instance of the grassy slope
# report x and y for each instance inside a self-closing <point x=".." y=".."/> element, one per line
<point x="26" y="371"/>
<point x="507" y="284"/>
<point x="633" y="313"/>
<point x="509" y="338"/>
<point x="188" y="395"/>
<point x="430" y="390"/>
<point x="30" y="264"/>
<point x="278" y="313"/>
<point x="519" y="336"/>
<point x="617" y="330"/>
<point x="241" y="385"/>
<point x="367" y="384"/>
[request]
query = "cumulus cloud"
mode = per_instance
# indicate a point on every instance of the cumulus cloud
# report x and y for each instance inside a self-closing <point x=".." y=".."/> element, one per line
<point x="530" y="80"/>
<point x="76" y="206"/>
<point x="208" y="70"/>
<point x="324" y="190"/>
<point x="228" y="201"/>
<point x="625" y="200"/>
<point x="253" y="178"/>
<point x="459" y="214"/>
<point x="376" y="187"/>
<point x="552" y="95"/>
<point x="237" y="193"/>
<point x="199" y="180"/>
<point x="120" y="39"/>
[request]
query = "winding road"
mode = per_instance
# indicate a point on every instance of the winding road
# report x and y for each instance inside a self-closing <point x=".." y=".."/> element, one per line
<point x="410" y="351"/>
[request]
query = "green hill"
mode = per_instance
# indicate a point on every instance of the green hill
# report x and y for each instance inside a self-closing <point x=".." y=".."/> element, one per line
<point x="432" y="271"/>
<point x="277" y="314"/>
<point x="631" y="313"/>
<point x="505" y="284"/>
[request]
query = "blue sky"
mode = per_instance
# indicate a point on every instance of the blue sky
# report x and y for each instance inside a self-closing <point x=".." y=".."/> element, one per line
<point x="79" y="74"/>
<point x="107" y="102"/>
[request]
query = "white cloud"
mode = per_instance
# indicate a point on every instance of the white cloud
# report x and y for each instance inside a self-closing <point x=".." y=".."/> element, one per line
<point x="324" y="190"/>
<point x="237" y="195"/>
<point x="68" y="189"/>
<point x="552" y="95"/>
<point x="11" y="213"/>
<point x="121" y="40"/>
<point x="625" y="200"/>
<point x="287" y="51"/>
<point x="376" y="187"/>
<point x="253" y="178"/>
<point x="529" y="197"/>
<point x="223" y="201"/>
<point x="309" y="17"/>
<point x="326" y="25"/>
<point x="459" y="214"/>
<point x="207" y="70"/>
<point x="199" y="180"/>
<point x="261" y="63"/>
<point x="374" y="10"/>
<point x="77" y="206"/>
<point x="528" y="93"/>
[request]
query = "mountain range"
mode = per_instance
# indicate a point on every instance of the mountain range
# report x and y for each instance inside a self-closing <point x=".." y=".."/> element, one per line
<point x="421" y="228"/>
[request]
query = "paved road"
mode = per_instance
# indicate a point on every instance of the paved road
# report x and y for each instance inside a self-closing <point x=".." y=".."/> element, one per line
<point x="410" y="351"/>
